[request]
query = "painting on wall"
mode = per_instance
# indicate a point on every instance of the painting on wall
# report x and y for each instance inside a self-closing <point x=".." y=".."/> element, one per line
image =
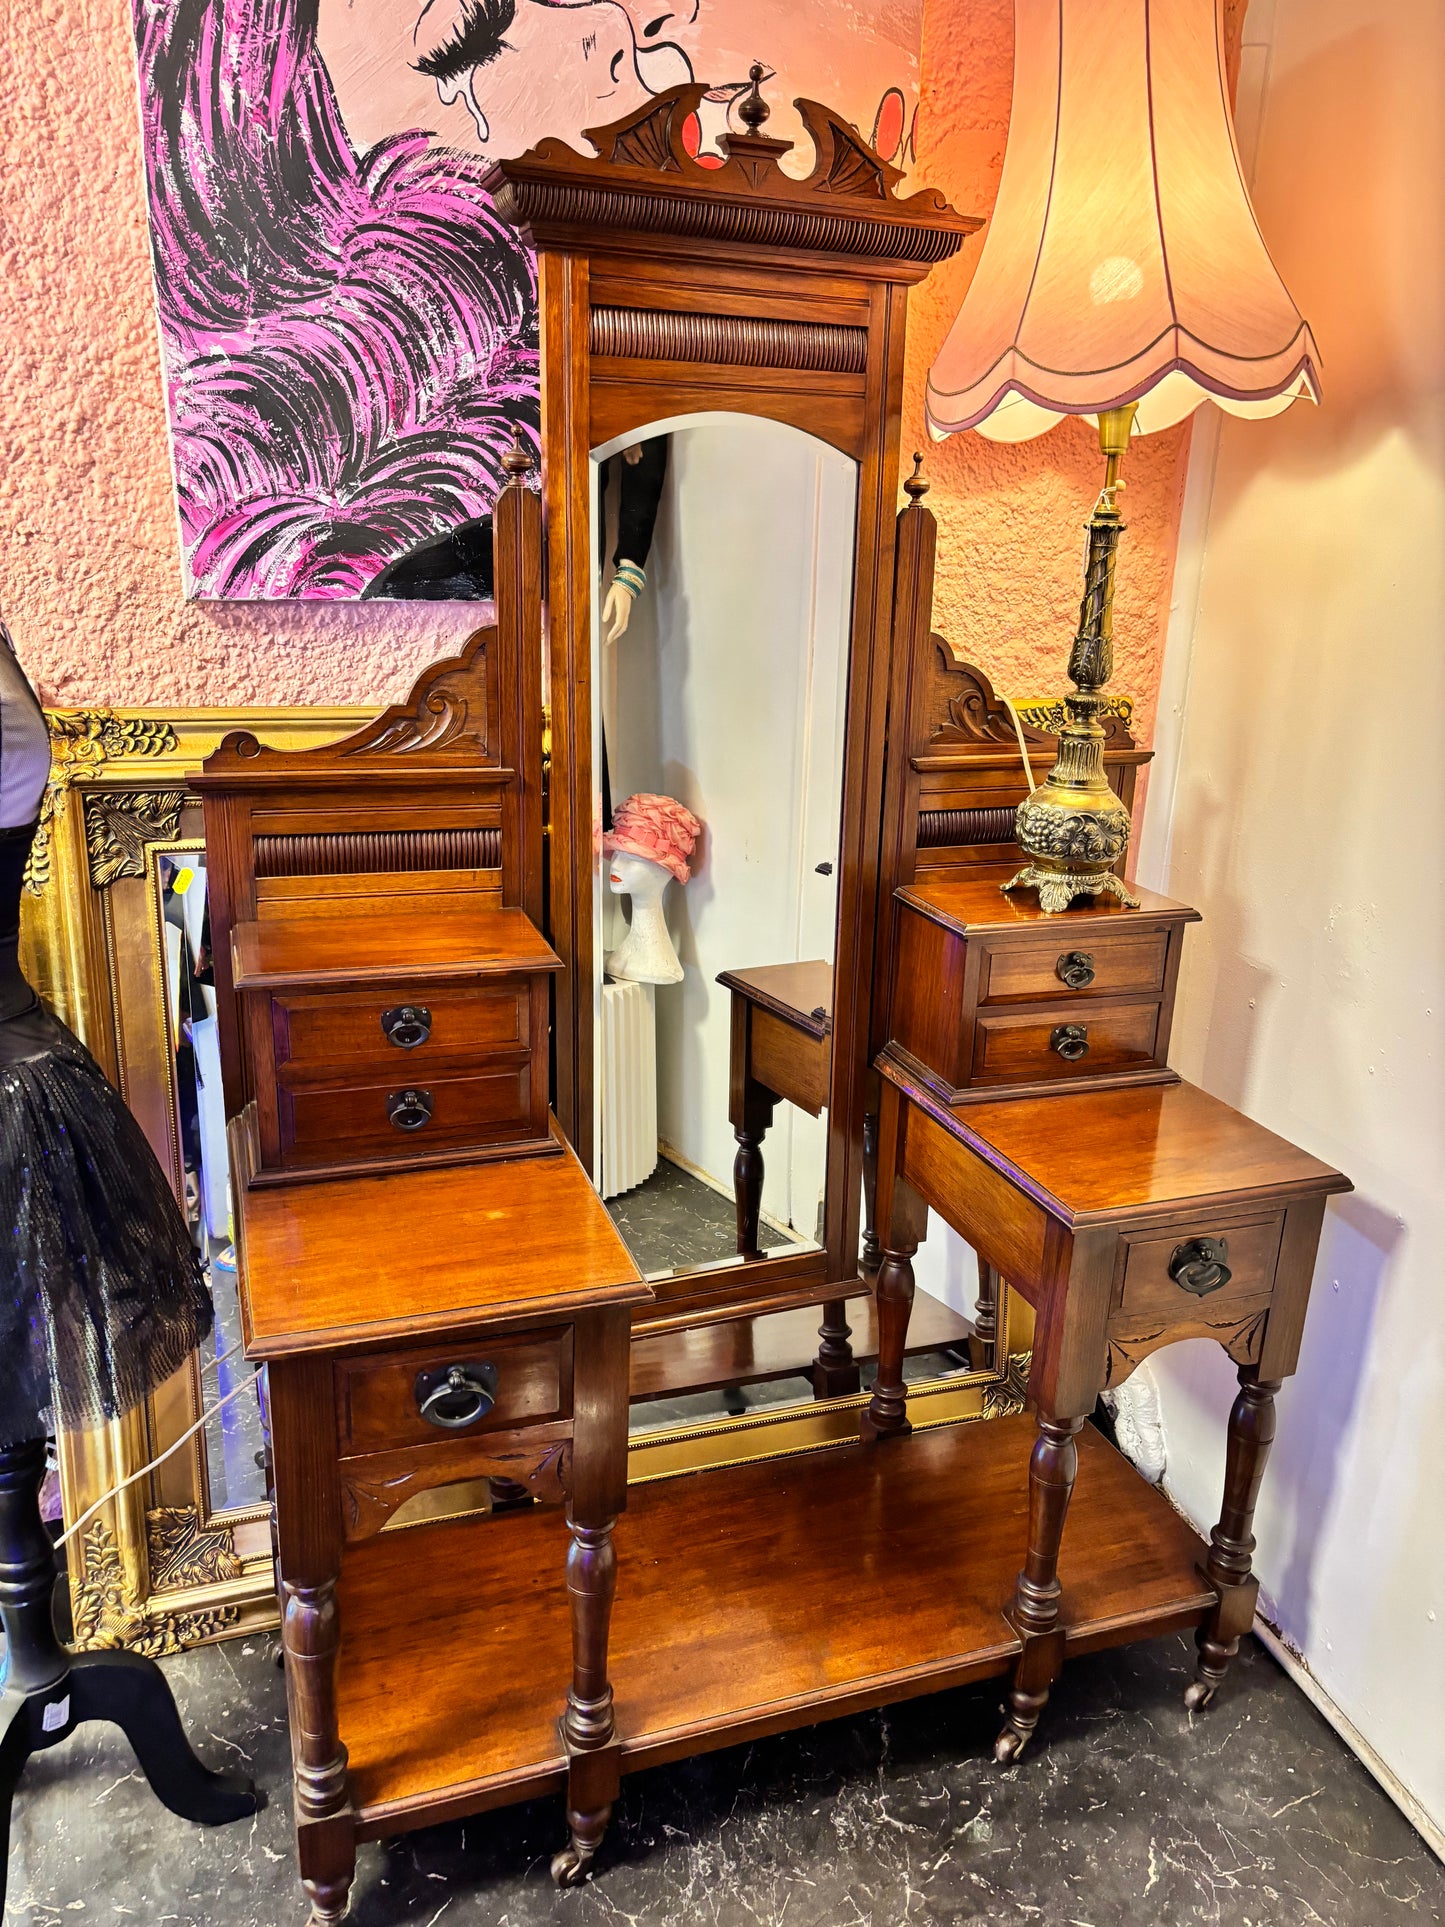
<point x="348" y="332"/>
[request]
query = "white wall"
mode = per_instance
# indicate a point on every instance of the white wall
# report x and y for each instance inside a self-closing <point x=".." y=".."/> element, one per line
<point x="730" y="695"/>
<point x="1304" y="702"/>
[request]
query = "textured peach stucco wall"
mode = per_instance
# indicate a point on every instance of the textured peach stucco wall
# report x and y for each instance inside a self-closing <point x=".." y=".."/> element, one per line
<point x="91" y="584"/>
<point x="89" y="568"/>
<point x="1011" y="518"/>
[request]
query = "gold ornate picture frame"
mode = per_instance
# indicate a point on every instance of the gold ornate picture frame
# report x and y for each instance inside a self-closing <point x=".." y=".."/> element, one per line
<point x="166" y="1563"/>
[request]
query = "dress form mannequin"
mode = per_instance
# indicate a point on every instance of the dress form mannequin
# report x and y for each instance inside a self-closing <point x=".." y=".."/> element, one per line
<point x="101" y="1299"/>
<point x="646" y="954"/>
<point x="649" y="844"/>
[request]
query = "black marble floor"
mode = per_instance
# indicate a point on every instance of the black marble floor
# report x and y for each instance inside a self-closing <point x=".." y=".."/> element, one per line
<point x="673" y="1221"/>
<point x="1254" y="1815"/>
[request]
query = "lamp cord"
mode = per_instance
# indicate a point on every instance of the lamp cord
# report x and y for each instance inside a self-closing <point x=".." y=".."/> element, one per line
<point x="105" y="1498"/>
<point x="1008" y="703"/>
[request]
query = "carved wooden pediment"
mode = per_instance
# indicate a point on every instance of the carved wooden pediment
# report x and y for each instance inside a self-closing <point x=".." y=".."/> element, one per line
<point x="449" y="718"/>
<point x="644" y="179"/>
<point x="964" y="711"/>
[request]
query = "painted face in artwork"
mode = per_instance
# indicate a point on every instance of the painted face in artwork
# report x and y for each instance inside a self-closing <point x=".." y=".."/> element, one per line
<point x="525" y="68"/>
<point x="500" y="75"/>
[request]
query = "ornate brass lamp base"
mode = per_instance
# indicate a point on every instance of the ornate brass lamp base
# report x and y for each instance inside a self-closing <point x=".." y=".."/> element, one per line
<point x="1058" y="888"/>
<point x="1073" y="828"/>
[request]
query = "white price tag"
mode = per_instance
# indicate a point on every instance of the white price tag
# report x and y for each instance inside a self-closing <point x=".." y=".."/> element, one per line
<point x="54" y="1716"/>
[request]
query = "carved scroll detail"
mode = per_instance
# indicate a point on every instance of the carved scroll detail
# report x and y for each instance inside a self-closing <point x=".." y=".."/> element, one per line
<point x="185" y="1553"/>
<point x="119" y="825"/>
<point x="82" y="740"/>
<point x="1241" y="1336"/>
<point x="370" y="1497"/>
<point x="437" y="721"/>
<point x="107" y="1620"/>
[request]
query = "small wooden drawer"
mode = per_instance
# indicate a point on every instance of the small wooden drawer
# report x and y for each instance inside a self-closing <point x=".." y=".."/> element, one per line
<point x="1096" y="966"/>
<point x="1035" y="1046"/>
<point x="318" y="1033"/>
<point x="404" y="1115"/>
<point x="1169" y="1275"/>
<point x="383" y="1034"/>
<point x="992" y="997"/>
<point x="379" y="1398"/>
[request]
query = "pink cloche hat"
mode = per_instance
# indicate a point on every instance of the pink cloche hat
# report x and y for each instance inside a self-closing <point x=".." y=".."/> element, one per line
<point x="657" y="827"/>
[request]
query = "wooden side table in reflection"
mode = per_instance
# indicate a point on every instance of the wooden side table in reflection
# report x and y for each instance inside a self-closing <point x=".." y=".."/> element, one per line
<point x="782" y="1049"/>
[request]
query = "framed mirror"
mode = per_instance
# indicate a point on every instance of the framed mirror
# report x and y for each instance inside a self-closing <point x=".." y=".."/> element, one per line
<point x="722" y="365"/>
<point x="115" y="937"/>
<point x="717" y="760"/>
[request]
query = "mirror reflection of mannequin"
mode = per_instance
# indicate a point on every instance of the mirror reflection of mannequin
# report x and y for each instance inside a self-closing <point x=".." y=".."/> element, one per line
<point x="642" y="473"/>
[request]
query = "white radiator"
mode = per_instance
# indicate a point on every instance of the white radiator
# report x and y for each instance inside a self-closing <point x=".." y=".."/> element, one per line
<point x="628" y="1065"/>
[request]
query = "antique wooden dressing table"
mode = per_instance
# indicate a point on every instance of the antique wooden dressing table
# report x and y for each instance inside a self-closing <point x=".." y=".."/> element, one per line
<point x="434" y="1316"/>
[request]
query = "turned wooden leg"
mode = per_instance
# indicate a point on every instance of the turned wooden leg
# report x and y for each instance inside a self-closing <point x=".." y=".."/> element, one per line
<point x="982" y="1347"/>
<point x="307" y="1495"/>
<point x="1231" y="1543"/>
<point x="904" y="1218"/>
<point x="887" y="1413"/>
<point x="835" y="1370"/>
<point x="509" y="1495"/>
<point x="601" y="1352"/>
<point x="752" y="1115"/>
<point x="1034" y="1614"/>
<point x="325" y="1834"/>
<point x="588" y="1727"/>
<point x="872" y="1245"/>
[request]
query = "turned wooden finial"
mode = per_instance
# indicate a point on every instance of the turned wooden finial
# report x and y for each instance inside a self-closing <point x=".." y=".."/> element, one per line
<point x="917" y="484"/>
<point x="518" y="459"/>
<point x="753" y="110"/>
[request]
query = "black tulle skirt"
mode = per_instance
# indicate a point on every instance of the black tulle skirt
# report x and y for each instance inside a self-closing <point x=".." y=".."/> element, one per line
<point x="102" y="1295"/>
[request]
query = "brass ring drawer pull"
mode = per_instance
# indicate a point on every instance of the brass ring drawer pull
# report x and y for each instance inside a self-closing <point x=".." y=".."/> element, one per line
<point x="409" y="1110"/>
<point x="1071" y="1041"/>
<point x="457" y="1396"/>
<point x="1199" y="1265"/>
<point x="406" y="1025"/>
<point x="1076" y="969"/>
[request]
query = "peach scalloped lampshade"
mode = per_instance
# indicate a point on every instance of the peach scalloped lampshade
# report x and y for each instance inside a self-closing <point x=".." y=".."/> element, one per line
<point x="1123" y="261"/>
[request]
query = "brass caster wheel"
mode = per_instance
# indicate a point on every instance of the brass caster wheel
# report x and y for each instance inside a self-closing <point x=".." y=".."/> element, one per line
<point x="1197" y="1695"/>
<point x="569" y="1867"/>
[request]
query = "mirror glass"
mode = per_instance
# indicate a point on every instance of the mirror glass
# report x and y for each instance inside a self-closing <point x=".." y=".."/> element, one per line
<point x="724" y="553"/>
<point x="233" y="1435"/>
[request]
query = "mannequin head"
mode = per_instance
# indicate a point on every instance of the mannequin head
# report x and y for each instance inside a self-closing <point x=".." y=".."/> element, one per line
<point x="648" y="847"/>
<point x="637" y="877"/>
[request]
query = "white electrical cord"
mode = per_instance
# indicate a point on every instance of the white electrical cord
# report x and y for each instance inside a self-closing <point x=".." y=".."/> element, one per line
<point x="1008" y="703"/>
<point x="246" y="1384"/>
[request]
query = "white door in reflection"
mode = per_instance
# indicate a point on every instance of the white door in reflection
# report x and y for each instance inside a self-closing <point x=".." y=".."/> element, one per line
<point x="728" y="692"/>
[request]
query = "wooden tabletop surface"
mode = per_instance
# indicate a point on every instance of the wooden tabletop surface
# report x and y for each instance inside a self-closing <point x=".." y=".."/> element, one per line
<point x="972" y="905"/>
<point x="1088" y="1156"/>
<point x="369" y="1259"/>
<point x="796" y="992"/>
<point x="403" y="937"/>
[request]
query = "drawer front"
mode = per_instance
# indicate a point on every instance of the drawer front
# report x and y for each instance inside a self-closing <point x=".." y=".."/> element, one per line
<point x="398" y="1030"/>
<point x="412" y="1114"/>
<point x="1176" y="1276"/>
<point x="1034" y="1046"/>
<point x="790" y="1061"/>
<point x="378" y="1407"/>
<point x="1091" y="967"/>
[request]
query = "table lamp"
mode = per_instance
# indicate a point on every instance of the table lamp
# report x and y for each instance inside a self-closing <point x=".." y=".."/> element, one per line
<point x="1123" y="277"/>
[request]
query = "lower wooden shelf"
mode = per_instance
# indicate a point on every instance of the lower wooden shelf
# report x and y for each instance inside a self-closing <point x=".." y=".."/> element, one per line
<point x="777" y="1344"/>
<point x="722" y="1629"/>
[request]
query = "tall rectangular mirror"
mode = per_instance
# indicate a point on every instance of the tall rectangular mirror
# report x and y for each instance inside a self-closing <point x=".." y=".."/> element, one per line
<point x="721" y="619"/>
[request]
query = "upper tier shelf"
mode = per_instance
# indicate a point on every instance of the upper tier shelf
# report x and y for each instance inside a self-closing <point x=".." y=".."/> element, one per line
<point x="373" y="939"/>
